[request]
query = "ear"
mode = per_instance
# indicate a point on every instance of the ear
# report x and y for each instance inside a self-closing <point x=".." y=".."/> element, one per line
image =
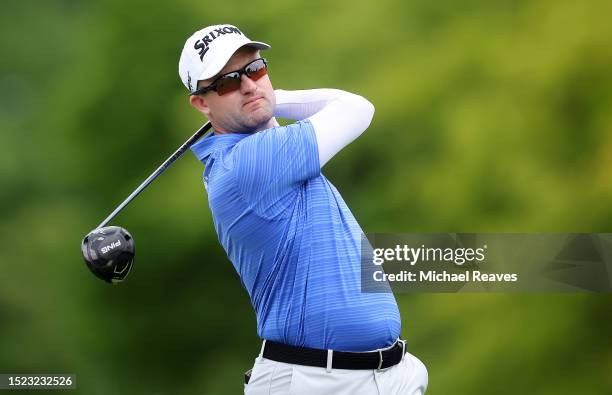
<point x="200" y="104"/>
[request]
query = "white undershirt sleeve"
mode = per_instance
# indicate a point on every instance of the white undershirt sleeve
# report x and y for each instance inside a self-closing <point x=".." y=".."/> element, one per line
<point x="338" y="117"/>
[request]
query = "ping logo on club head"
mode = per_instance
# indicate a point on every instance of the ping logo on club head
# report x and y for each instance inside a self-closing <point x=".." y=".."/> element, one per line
<point x="110" y="247"/>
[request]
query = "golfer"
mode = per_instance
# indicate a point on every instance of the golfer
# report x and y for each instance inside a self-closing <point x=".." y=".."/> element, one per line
<point x="285" y="227"/>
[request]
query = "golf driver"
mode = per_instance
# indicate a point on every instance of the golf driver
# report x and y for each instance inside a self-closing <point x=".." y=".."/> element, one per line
<point x="109" y="250"/>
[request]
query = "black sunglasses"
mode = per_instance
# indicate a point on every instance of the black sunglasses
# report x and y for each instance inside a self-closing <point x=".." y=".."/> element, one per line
<point x="230" y="82"/>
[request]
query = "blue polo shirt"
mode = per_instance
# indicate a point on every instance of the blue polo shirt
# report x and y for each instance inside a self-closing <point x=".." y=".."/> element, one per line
<point x="293" y="241"/>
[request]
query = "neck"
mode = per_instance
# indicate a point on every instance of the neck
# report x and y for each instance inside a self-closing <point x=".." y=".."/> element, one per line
<point x="270" y="124"/>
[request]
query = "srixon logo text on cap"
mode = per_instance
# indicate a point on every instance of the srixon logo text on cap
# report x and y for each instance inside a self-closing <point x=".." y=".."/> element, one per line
<point x="203" y="44"/>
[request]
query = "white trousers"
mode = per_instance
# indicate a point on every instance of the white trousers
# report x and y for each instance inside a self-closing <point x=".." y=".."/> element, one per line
<point x="409" y="377"/>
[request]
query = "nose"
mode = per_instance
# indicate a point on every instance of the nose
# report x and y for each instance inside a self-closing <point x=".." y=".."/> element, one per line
<point x="247" y="85"/>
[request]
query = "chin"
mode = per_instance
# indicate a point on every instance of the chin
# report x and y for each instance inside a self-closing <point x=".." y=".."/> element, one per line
<point x="260" y="118"/>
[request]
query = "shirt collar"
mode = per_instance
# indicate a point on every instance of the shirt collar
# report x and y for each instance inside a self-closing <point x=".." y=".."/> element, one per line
<point x="215" y="142"/>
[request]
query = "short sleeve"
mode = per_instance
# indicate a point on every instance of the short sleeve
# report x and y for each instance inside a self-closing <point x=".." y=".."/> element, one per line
<point x="271" y="164"/>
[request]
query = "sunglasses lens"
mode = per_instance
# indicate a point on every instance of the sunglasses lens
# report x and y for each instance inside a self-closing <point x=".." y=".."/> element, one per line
<point x="228" y="83"/>
<point x="256" y="70"/>
<point x="231" y="81"/>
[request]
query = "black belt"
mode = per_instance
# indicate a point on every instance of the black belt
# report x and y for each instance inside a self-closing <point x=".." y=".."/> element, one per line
<point x="379" y="359"/>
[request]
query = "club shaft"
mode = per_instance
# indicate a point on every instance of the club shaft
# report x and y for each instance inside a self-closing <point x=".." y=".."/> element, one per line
<point x="177" y="154"/>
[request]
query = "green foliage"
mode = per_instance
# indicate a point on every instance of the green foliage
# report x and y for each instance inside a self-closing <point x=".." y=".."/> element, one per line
<point x="490" y="116"/>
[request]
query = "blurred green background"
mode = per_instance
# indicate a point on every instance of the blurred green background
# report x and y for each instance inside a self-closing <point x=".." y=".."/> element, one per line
<point x="490" y="117"/>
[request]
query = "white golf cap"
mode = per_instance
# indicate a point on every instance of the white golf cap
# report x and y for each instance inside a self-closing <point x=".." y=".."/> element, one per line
<point x="207" y="51"/>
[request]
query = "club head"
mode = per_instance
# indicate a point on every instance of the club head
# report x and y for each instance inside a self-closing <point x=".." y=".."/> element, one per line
<point x="109" y="253"/>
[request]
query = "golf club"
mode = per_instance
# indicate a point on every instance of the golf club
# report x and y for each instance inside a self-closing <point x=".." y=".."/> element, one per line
<point x="109" y="250"/>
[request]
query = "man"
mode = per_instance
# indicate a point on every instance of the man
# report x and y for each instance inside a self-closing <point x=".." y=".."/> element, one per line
<point x="285" y="227"/>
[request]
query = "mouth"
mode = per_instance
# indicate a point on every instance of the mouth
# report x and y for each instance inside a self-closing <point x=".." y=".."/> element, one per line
<point x="252" y="100"/>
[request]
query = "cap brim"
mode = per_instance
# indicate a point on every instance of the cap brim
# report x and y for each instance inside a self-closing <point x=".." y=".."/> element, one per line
<point x="221" y="59"/>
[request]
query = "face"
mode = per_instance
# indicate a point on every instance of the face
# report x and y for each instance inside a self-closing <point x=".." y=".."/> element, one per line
<point x="245" y="110"/>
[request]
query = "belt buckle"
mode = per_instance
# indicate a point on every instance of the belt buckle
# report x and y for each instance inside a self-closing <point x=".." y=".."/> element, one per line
<point x="380" y="353"/>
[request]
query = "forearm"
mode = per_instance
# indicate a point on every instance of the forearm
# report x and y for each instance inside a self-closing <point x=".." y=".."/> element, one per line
<point x="338" y="117"/>
<point x="301" y="104"/>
